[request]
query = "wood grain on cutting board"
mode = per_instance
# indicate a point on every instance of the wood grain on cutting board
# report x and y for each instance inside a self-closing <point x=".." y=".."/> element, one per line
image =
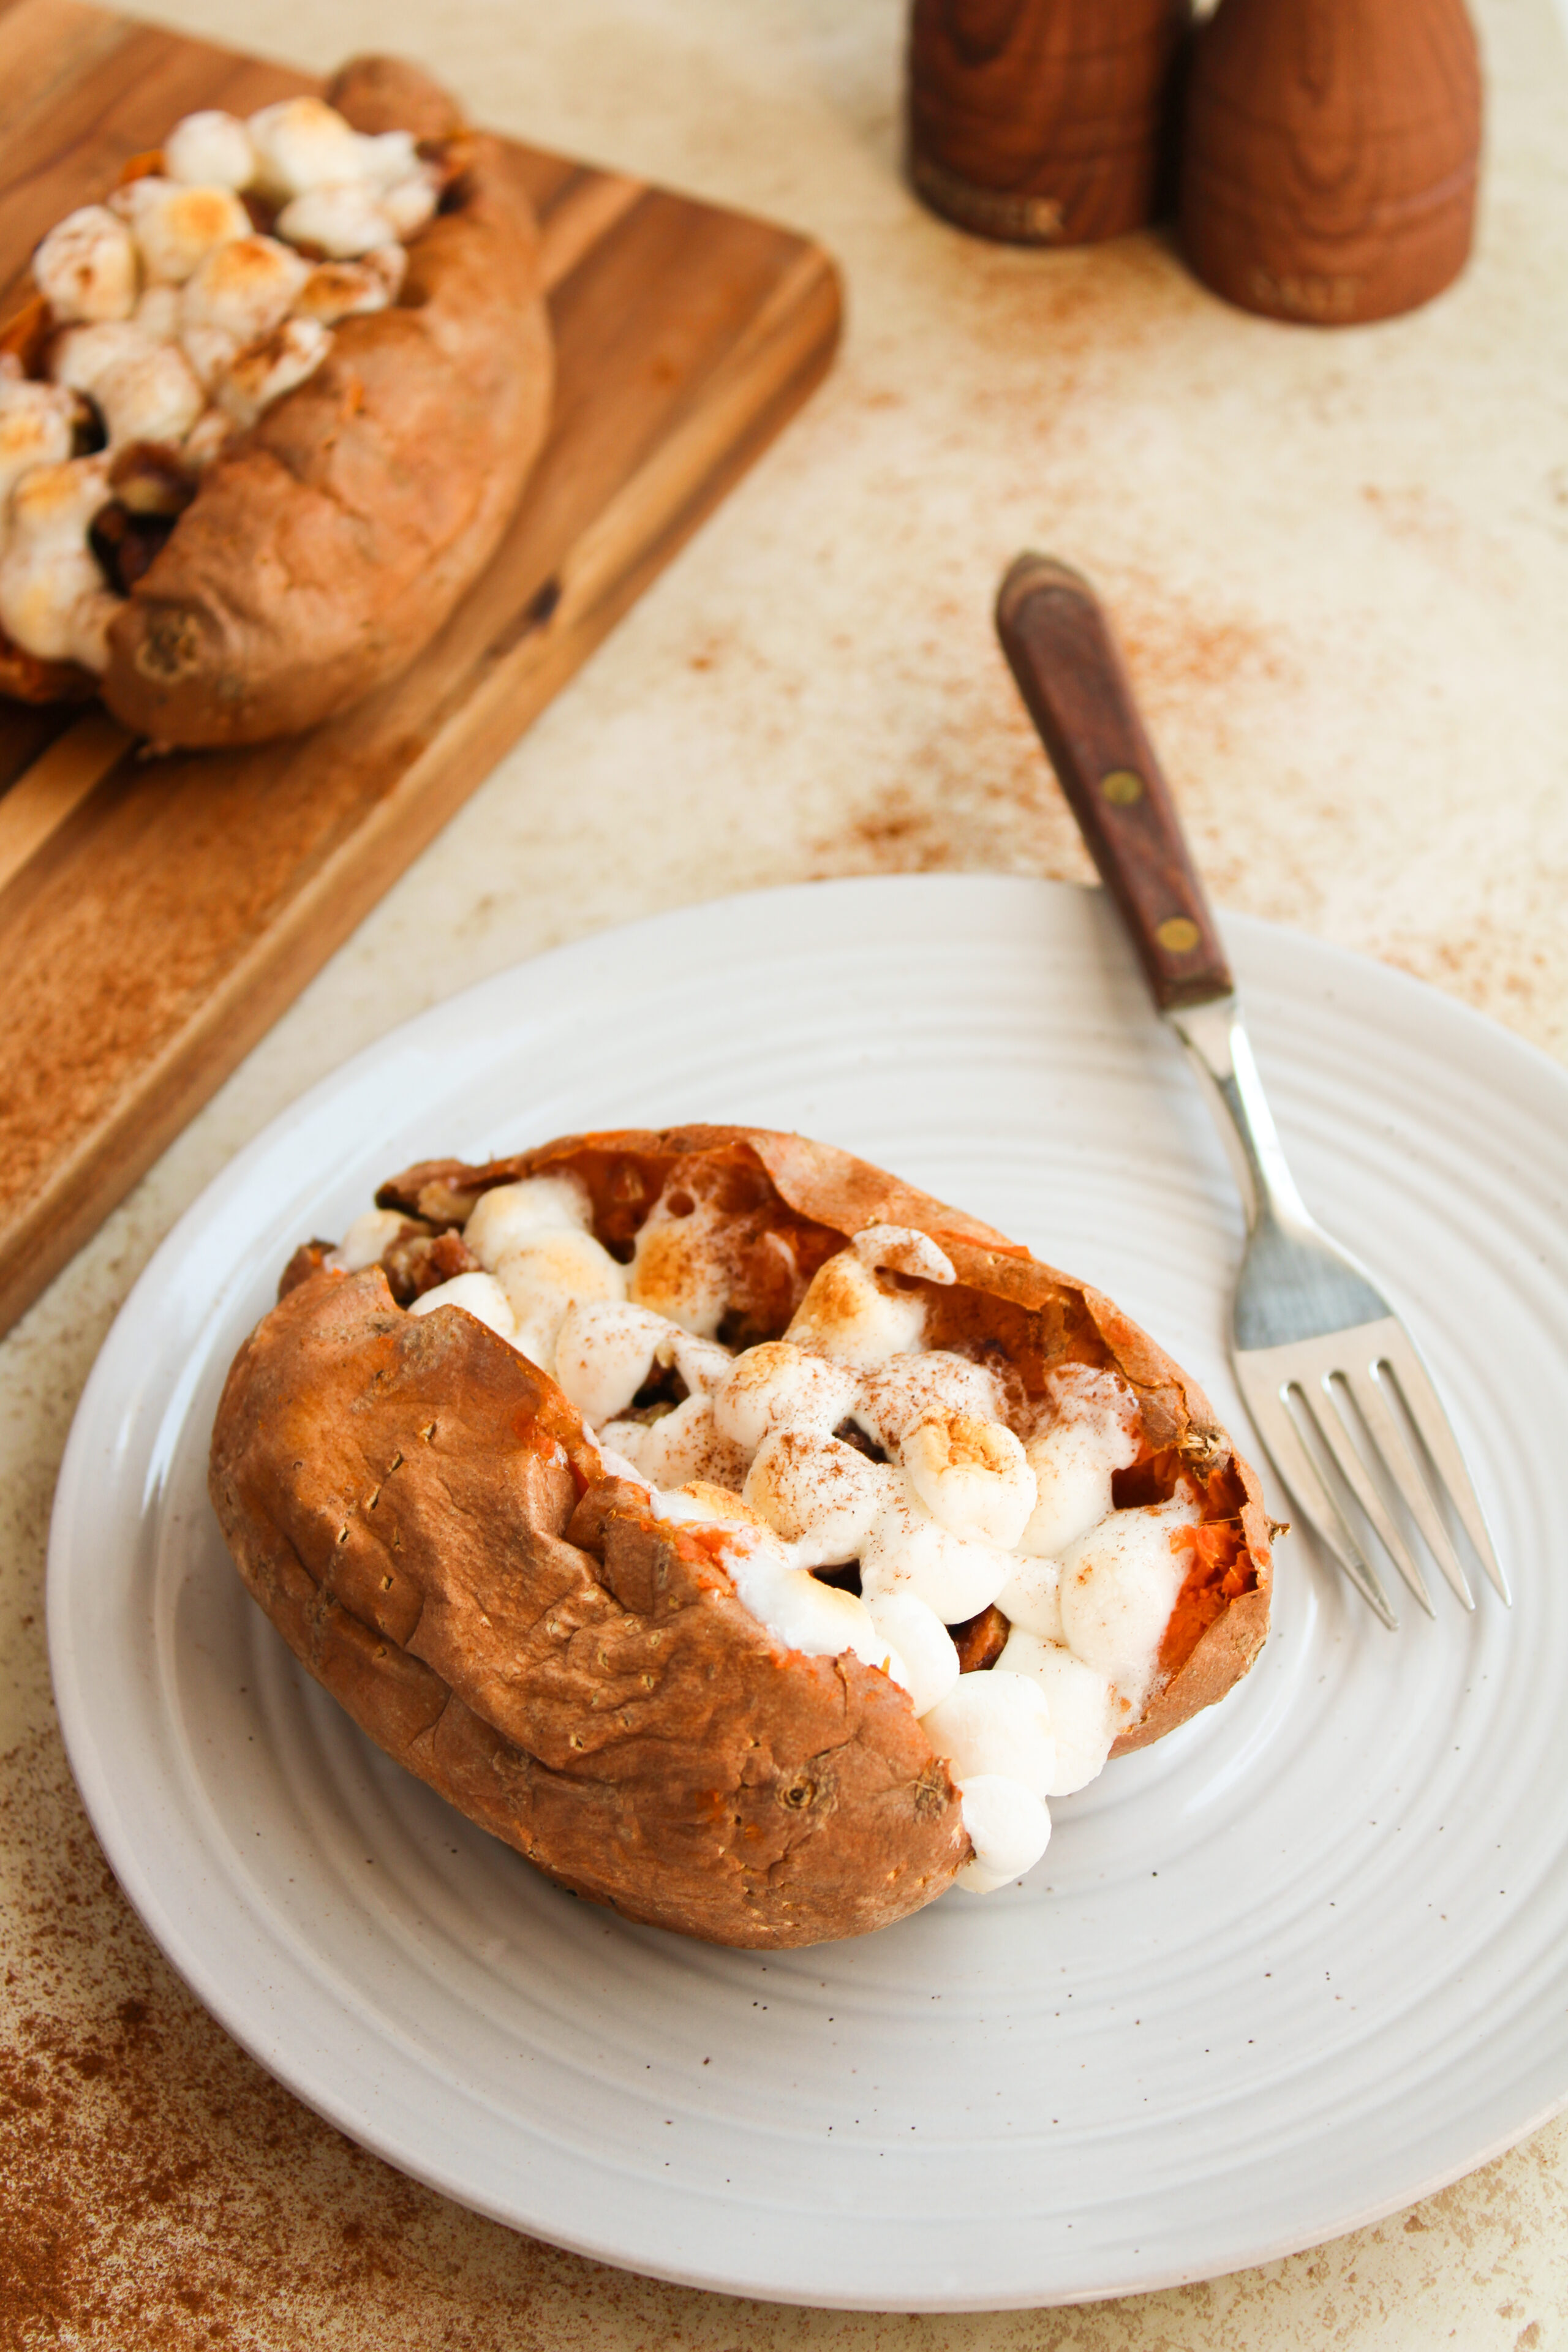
<point x="157" y="915"/>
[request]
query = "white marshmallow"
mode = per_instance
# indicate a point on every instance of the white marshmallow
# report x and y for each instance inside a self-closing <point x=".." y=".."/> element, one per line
<point x="1120" y="1584"/>
<point x="303" y="143"/>
<point x="176" y="226"/>
<point x="149" y="395"/>
<point x="83" y="356"/>
<point x="479" y="1295"/>
<point x="207" y="436"/>
<point x="1032" y="1598"/>
<point x="87" y="267"/>
<point x="908" y="1550"/>
<point x="53" y="601"/>
<point x="892" y="1399"/>
<point x="210" y="148"/>
<point x="387" y="157"/>
<point x="244" y="289"/>
<point x="680" y="1265"/>
<point x="340" y="221"/>
<point x="372" y="1232"/>
<point x="37" y="425"/>
<point x="996" y="1722"/>
<point x="680" y="1445"/>
<point x="410" y="202"/>
<point x="921" y="1641"/>
<point x="846" y="1314"/>
<point x="902" y="1249"/>
<point x="1095" y="1433"/>
<point x="1084" y="1715"/>
<point x="822" y="1496"/>
<point x="263" y="371"/>
<point x="972" y="1476"/>
<point x="779" y="1386"/>
<point x="604" y="1353"/>
<point x="157" y="313"/>
<point x="344" y="289"/>
<point x="816" y="1619"/>
<point x="210" y="352"/>
<point x="548" y="1272"/>
<point x="508" y="1213"/>
<point x="1008" y="1827"/>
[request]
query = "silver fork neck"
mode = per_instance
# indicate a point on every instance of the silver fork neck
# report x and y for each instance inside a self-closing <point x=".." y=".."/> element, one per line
<point x="1220" y="1050"/>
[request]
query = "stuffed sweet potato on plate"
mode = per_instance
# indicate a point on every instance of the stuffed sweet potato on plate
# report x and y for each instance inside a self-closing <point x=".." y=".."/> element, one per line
<point x="752" y="1541"/>
<point x="268" y="412"/>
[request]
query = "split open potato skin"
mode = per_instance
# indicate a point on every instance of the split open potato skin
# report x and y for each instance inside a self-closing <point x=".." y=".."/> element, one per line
<point x="330" y="544"/>
<point x="416" y="1507"/>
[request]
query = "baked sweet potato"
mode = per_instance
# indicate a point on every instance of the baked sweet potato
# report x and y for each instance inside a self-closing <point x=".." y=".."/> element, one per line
<point x="329" y="540"/>
<point x="565" y="1652"/>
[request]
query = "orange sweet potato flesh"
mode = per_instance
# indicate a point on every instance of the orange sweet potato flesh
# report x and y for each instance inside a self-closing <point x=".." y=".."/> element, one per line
<point x="330" y="543"/>
<point x="419" y="1511"/>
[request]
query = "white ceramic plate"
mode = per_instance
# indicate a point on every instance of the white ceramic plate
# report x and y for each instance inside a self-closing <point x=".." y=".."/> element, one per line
<point x="1295" y="1967"/>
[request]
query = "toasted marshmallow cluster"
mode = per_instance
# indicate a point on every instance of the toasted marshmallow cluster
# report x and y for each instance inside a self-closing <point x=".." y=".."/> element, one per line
<point x="850" y="1441"/>
<point x="181" y="318"/>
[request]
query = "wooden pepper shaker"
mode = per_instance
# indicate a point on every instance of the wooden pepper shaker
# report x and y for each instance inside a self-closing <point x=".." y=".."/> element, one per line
<point x="1043" y="121"/>
<point x="1330" y="154"/>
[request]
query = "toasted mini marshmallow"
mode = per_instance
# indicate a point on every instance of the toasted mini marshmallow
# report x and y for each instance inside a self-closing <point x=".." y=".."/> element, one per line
<point x="388" y="157"/>
<point x="38" y="427"/>
<point x="823" y="1496"/>
<point x="1008" y="1827"/>
<point x="908" y="1552"/>
<point x="245" y="288"/>
<point x="996" y="1722"/>
<point x="176" y="226"/>
<point x="1032" y="1598"/>
<point x="390" y="264"/>
<point x="265" y="371"/>
<point x="1120" y="1583"/>
<point x="149" y="395"/>
<point x="892" y="1399"/>
<point x="339" y="221"/>
<point x="604" y="1353"/>
<point x="921" y="1641"/>
<point x="372" y="1232"/>
<point x="82" y="356"/>
<point x="972" y="1476"/>
<point x="510" y="1215"/>
<point x="410" y="202"/>
<point x="902" y="1249"/>
<point x="53" y="600"/>
<point x="700" y="1501"/>
<point x="849" y="1315"/>
<point x="342" y="290"/>
<point x="303" y="143"/>
<point x="208" y="437"/>
<point x="816" y="1619"/>
<point x="478" y="1294"/>
<point x="157" y="313"/>
<point x="779" y="1386"/>
<point x="680" y="1262"/>
<point x="210" y="148"/>
<point x="548" y="1271"/>
<point x="1095" y="1434"/>
<point x="1081" y="1702"/>
<point x="87" y="267"/>
<point x="680" y="1446"/>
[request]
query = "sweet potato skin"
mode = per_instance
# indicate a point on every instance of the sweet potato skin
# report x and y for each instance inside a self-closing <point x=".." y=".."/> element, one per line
<point x="331" y="544"/>
<point x="403" y="1497"/>
<point x="417" y="1508"/>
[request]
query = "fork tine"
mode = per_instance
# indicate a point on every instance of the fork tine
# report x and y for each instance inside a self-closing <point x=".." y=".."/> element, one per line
<point x="1339" y="1439"/>
<point x="1397" y="1350"/>
<point x="1272" y="1419"/>
<point x="1395" y="1454"/>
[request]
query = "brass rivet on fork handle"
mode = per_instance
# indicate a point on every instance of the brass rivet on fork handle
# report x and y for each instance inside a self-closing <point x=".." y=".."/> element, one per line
<point x="1331" y="1379"/>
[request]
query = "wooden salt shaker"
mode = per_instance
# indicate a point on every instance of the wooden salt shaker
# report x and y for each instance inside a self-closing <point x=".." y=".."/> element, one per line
<point x="1043" y="121"/>
<point x="1330" y="154"/>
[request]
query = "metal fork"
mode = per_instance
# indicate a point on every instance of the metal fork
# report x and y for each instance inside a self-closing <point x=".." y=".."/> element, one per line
<point x="1333" y="1379"/>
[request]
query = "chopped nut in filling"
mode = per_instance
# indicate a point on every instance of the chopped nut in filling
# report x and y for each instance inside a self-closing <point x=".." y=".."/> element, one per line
<point x="877" y="1495"/>
<point x="177" y="313"/>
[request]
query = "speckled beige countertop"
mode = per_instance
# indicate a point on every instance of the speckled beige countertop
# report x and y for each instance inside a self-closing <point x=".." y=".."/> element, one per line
<point x="1341" y="565"/>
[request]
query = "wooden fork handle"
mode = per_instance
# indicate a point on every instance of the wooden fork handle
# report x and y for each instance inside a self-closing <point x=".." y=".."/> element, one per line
<point x="1058" y="642"/>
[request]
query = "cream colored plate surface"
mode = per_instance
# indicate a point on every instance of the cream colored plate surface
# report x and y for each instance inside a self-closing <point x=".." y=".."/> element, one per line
<point x="1291" y="1968"/>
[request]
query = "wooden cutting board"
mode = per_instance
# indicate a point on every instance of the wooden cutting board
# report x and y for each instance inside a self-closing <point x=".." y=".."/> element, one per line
<point x="156" y="915"/>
